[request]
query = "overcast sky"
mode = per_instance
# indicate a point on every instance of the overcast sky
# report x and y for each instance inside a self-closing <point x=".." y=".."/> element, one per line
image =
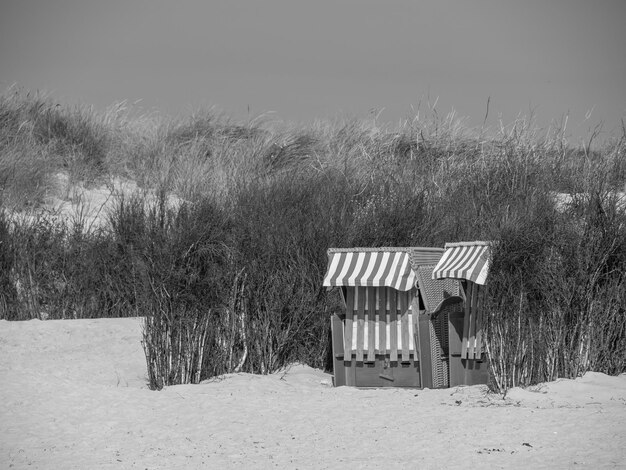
<point x="326" y="58"/>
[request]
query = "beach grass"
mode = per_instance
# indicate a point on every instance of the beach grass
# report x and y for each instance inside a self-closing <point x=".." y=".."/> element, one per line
<point x="230" y="278"/>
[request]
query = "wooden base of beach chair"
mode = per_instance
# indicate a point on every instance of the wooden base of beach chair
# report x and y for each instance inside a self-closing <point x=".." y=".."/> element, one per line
<point x="358" y="369"/>
<point x="381" y="373"/>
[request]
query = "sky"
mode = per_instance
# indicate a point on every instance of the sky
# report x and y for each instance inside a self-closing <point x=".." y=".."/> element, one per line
<point x="303" y="60"/>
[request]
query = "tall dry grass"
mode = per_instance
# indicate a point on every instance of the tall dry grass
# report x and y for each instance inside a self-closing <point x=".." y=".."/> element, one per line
<point x="231" y="279"/>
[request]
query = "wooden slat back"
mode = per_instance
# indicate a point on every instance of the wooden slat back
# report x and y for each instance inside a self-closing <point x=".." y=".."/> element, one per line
<point x="347" y="349"/>
<point x="369" y="309"/>
<point x="473" y="339"/>
<point x="404" y="325"/>
<point x="478" y="352"/>
<point x="382" y="319"/>
<point x="466" y="319"/>
<point x="404" y="329"/>
<point x="393" y="325"/>
<point x="360" y="329"/>
<point x="471" y="347"/>
<point x="371" y="324"/>
<point x="403" y="301"/>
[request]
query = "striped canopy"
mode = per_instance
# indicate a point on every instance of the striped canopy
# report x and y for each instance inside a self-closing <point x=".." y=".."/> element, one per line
<point x="466" y="260"/>
<point x="370" y="268"/>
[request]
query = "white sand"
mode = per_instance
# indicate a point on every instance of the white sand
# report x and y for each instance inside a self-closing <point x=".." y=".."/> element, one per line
<point x="73" y="395"/>
<point x="90" y="206"/>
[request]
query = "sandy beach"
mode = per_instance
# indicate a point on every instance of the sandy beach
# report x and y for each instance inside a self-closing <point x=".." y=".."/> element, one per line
<point x="73" y="395"/>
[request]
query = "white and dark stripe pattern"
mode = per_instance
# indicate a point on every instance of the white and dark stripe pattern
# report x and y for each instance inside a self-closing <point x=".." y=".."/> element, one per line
<point x="370" y="269"/>
<point x="379" y="320"/>
<point x="466" y="260"/>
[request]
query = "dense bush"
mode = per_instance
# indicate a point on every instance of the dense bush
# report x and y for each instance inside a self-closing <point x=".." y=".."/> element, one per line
<point x="230" y="280"/>
<point x="557" y="290"/>
<point x="180" y="266"/>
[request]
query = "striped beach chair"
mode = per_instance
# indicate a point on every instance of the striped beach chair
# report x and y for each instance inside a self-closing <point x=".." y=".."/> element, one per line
<point x="403" y="311"/>
<point x="374" y="340"/>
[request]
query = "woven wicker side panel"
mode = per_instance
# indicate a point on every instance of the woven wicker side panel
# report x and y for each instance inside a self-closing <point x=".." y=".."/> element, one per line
<point x="439" y="349"/>
<point x="434" y="291"/>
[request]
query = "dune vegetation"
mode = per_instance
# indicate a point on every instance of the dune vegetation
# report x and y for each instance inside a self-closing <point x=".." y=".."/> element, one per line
<point x="229" y="278"/>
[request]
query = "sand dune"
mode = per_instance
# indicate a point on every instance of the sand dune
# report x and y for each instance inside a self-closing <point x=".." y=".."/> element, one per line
<point x="73" y="395"/>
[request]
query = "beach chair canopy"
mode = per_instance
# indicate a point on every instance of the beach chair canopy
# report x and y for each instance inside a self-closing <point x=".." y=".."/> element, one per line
<point x="464" y="260"/>
<point x="377" y="267"/>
